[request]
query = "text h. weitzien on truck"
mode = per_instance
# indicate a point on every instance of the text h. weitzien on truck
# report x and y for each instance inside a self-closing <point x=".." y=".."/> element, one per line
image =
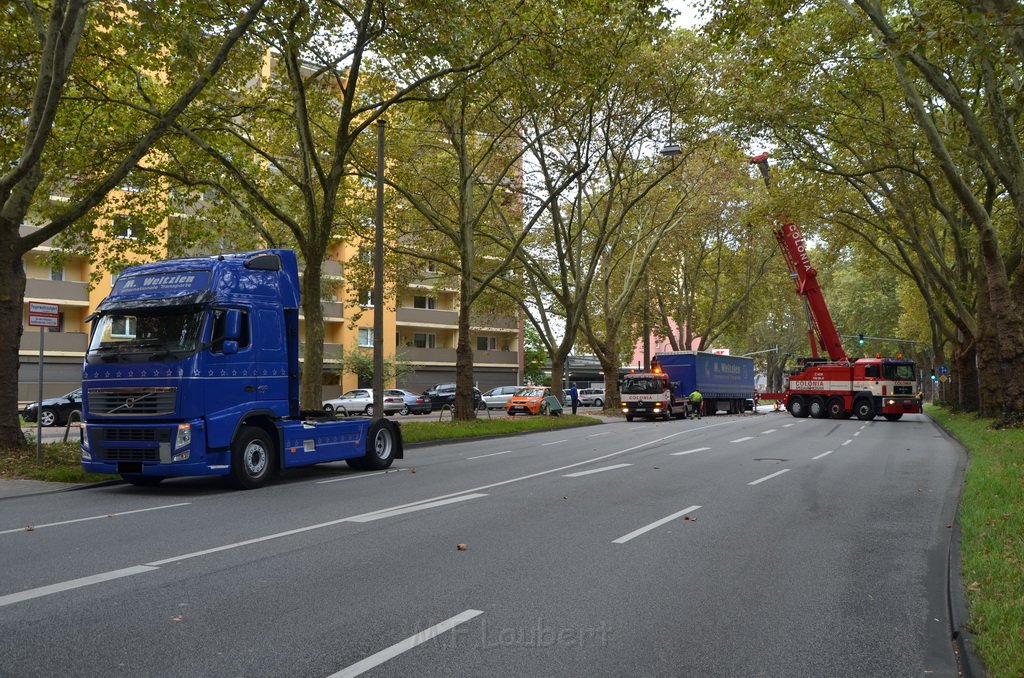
<point x="193" y="370"/>
<point x="726" y="383"/>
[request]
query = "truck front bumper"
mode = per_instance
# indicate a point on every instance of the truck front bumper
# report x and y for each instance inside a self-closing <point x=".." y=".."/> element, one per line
<point x="156" y="449"/>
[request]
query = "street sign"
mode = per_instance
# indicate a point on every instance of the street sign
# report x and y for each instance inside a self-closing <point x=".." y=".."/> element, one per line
<point x="41" y="314"/>
<point x="943" y="369"/>
<point x="943" y="379"/>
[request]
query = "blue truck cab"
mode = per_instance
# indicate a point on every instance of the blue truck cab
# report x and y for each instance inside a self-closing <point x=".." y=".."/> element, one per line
<point x="192" y="369"/>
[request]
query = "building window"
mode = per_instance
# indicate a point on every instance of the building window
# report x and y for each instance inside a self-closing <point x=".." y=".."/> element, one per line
<point x="123" y="327"/>
<point x="424" y="302"/>
<point x="486" y="343"/>
<point x="127" y="228"/>
<point x="366" y="337"/>
<point x="57" y="273"/>
<point x="365" y="297"/>
<point x="424" y="340"/>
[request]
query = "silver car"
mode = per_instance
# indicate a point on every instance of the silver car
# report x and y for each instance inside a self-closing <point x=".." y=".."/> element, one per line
<point x="496" y="398"/>
<point x="360" y="401"/>
<point x="592" y="397"/>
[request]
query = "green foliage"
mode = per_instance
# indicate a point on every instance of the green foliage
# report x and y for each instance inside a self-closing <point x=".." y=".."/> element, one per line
<point x="535" y="356"/>
<point x="359" y="361"/>
<point x="62" y="463"/>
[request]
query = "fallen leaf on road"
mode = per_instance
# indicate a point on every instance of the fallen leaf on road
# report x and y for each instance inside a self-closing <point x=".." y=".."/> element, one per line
<point x="30" y="529"/>
<point x="462" y="547"/>
<point x="179" y="617"/>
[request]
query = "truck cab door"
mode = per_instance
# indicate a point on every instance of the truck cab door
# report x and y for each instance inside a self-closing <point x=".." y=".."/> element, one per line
<point x="229" y="375"/>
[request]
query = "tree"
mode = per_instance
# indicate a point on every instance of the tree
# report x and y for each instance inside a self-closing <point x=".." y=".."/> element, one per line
<point x="89" y="90"/>
<point x="283" y="147"/>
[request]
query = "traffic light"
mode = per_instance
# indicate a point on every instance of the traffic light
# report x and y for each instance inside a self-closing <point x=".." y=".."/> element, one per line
<point x="860" y="339"/>
<point x="934" y="378"/>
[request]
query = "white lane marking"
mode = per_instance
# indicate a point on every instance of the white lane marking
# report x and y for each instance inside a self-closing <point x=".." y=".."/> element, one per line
<point x="157" y="563"/>
<point x="786" y="425"/>
<point x="105" y="515"/>
<point x="657" y="523"/>
<point x="595" y="435"/>
<point x="769" y="477"/>
<point x="823" y="454"/>
<point x="856" y="433"/>
<point x="72" y="584"/>
<point x="771" y="430"/>
<point x="378" y="515"/>
<point x="696" y="449"/>
<point x="356" y="476"/>
<point x="409" y="643"/>
<point x="492" y="454"/>
<point x="847" y="442"/>
<point x="555" y="442"/>
<point x="742" y="440"/>
<point x="595" y="470"/>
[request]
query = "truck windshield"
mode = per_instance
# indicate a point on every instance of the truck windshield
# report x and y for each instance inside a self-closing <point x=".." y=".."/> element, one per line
<point x="899" y="371"/>
<point x="644" y="384"/>
<point x="141" y="337"/>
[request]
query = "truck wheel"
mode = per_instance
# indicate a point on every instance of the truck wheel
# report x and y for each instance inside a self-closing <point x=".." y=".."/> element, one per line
<point x="668" y="413"/>
<point x="381" y="444"/>
<point x="817" y="408"/>
<point x="252" y="458"/>
<point x="836" y="408"/>
<point x="894" y="417"/>
<point x="797" y="407"/>
<point x="864" y="410"/>
<point x="47" y="417"/>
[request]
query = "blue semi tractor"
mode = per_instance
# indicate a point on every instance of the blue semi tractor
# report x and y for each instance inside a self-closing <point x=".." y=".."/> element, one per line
<point x="726" y="382"/>
<point x="193" y="370"/>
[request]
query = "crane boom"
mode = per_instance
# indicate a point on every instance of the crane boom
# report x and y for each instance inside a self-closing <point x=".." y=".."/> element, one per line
<point x="822" y="331"/>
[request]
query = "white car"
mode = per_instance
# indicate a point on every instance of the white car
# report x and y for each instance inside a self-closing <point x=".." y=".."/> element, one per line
<point x="497" y="397"/>
<point x="592" y="397"/>
<point x="360" y="401"/>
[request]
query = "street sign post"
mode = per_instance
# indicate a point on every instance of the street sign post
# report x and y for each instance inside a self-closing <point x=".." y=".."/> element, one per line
<point x="42" y="315"/>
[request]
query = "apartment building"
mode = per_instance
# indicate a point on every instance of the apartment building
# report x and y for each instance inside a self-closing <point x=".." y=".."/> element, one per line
<point x="426" y="335"/>
<point x="423" y="323"/>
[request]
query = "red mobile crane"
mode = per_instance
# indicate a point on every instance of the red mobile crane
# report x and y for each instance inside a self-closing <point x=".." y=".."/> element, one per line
<point x="836" y="386"/>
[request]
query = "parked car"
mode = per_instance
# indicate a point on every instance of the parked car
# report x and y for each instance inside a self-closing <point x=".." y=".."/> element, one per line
<point x="444" y="394"/>
<point x="414" y="402"/>
<point x="55" y="411"/>
<point x="592" y="397"/>
<point x="529" y="400"/>
<point x="498" y="397"/>
<point x="360" y="401"/>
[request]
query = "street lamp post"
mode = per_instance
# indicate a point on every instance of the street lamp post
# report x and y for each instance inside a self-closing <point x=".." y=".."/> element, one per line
<point x="378" y="282"/>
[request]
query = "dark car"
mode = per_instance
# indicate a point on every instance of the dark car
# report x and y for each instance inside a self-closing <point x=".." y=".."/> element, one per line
<point x="444" y="394"/>
<point x="414" y="403"/>
<point x="55" y="411"/>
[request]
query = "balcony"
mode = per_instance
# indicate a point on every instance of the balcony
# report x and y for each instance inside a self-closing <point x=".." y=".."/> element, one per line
<point x="427" y="317"/>
<point x="58" y="291"/>
<point x="55" y="342"/>
<point x="446" y="356"/>
<point x="480" y="321"/>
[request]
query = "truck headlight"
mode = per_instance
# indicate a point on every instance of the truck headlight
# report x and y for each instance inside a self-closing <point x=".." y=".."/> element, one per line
<point x="83" y="437"/>
<point x="184" y="437"/>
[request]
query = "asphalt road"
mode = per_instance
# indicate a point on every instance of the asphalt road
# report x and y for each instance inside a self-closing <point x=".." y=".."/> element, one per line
<point x="729" y="546"/>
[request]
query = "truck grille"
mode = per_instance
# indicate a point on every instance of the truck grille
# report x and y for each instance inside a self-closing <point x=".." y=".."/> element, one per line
<point x="132" y="402"/>
<point x="130" y="454"/>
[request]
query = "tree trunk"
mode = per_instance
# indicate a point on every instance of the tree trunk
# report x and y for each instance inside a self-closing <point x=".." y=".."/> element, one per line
<point x="311" y="389"/>
<point x="989" y="403"/>
<point x="12" y="295"/>
<point x="464" y="410"/>
<point x="965" y="369"/>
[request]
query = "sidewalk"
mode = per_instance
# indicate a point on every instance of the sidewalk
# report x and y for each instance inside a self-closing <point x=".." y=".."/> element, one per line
<point x="17" y="488"/>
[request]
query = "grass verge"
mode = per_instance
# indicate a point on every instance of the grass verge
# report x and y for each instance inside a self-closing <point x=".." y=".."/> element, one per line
<point x="428" y="431"/>
<point x="992" y="530"/>
<point x="62" y="463"/>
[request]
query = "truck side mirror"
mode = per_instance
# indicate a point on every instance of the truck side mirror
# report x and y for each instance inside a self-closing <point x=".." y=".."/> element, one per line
<point x="233" y="326"/>
<point x="230" y="347"/>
